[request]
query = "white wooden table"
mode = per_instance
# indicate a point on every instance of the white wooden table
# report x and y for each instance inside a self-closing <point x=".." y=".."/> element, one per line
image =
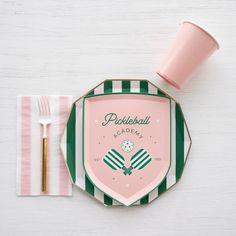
<point x="67" y="47"/>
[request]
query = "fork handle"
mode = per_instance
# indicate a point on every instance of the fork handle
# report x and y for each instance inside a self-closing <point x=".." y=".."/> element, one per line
<point x="44" y="166"/>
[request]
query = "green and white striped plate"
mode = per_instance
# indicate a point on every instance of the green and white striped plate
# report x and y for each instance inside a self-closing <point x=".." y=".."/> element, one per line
<point x="71" y="143"/>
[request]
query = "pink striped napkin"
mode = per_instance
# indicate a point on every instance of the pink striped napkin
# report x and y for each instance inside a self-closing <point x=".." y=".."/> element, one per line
<point x="29" y="150"/>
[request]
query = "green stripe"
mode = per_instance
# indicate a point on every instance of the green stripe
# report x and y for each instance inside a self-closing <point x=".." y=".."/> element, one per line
<point x="89" y="186"/>
<point x="70" y="139"/>
<point x="91" y="92"/>
<point x="160" y="92"/>
<point x="162" y="187"/>
<point x="118" y="154"/>
<point x="108" y="86"/>
<point x="143" y="86"/>
<point x="114" y="168"/>
<point x="126" y="86"/>
<point x="179" y="141"/>
<point x="145" y="163"/>
<point x="136" y="154"/>
<point x="135" y="162"/>
<point x="113" y="162"/>
<point x="107" y="200"/>
<point x="120" y="161"/>
<point x="144" y="200"/>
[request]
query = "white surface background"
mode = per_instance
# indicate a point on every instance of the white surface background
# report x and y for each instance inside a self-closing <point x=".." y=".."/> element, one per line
<point x="67" y="47"/>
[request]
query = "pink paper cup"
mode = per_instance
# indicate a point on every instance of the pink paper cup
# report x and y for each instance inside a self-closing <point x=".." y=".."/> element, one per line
<point x="191" y="47"/>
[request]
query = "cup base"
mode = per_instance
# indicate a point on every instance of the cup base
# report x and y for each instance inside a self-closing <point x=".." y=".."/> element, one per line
<point x="170" y="81"/>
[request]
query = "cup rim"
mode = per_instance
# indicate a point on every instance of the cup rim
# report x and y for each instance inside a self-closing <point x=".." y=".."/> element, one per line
<point x="170" y="81"/>
<point x="203" y="30"/>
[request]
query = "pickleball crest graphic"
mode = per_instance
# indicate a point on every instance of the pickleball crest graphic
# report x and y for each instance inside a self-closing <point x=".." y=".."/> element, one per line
<point x="117" y="162"/>
<point x="127" y="155"/>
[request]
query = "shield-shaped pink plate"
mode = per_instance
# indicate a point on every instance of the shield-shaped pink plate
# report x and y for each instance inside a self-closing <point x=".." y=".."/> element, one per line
<point x="126" y="143"/>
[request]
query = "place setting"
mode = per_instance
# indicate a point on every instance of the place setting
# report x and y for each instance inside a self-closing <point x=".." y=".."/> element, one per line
<point x="124" y="142"/>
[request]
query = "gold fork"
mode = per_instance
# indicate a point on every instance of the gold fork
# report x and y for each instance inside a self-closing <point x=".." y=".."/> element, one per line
<point x="44" y="120"/>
